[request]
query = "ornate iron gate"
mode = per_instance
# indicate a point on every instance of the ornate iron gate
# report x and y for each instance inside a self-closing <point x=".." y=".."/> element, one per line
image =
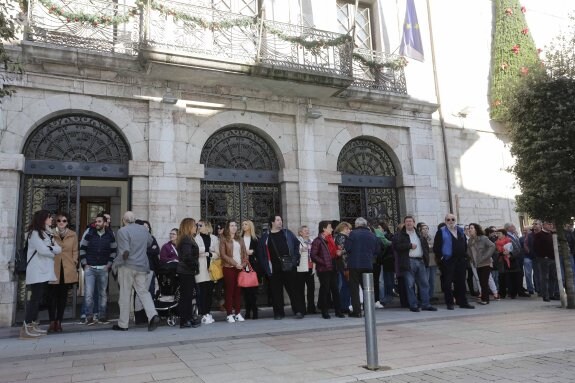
<point x="368" y="187"/>
<point x="58" y="154"/>
<point x="240" y="180"/>
<point x="53" y="193"/>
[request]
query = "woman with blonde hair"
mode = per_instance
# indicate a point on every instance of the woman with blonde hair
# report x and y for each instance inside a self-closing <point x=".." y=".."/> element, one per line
<point x="209" y="246"/>
<point x="66" y="270"/>
<point x="234" y="258"/>
<point x="251" y="243"/>
<point x="188" y="268"/>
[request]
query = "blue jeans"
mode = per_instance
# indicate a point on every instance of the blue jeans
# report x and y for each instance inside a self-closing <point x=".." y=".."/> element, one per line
<point x="85" y="306"/>
<point x="388" y="286"/>
<point x="431" y="273"/>
<point x="528" y="270"/>
<point x="417" y="274"/>
<point x="344" y="297"/>
<point x="96" y="282"/>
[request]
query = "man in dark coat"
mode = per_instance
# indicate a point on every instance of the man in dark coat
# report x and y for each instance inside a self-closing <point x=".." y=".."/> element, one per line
<point x="362" y="246"/>
<point x="279" y="257"/>
<point x="450" y="245"/>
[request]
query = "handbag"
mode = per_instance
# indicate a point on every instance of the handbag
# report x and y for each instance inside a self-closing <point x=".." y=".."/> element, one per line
<point x="216" y="271"/>
<point x="286" y="261"/>
<point x="248" y="277"/>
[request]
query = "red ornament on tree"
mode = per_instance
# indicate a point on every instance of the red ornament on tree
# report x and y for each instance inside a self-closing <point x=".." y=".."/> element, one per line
<point x="516" y="49"/>
<point x="525" y="31"/>
<point x="523" y="9"/>
<point x="508" y="11"/>
<point x="524" y="71"/>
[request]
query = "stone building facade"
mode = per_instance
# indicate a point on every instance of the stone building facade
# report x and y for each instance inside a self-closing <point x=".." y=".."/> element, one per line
<point x="170" y="131"/>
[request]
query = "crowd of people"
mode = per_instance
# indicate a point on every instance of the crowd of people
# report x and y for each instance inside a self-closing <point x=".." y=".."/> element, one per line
<point x="491" y="263"/>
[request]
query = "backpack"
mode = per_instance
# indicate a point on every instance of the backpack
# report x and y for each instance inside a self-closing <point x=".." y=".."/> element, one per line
<point x="20" y="259"/>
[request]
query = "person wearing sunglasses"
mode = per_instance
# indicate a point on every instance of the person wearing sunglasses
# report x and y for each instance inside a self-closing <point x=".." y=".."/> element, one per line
<point x="66" y="269"/>
<point x="450" y="245"/>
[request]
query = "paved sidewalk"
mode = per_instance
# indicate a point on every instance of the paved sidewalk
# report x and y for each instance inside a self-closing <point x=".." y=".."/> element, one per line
<point x="462" y="345"/>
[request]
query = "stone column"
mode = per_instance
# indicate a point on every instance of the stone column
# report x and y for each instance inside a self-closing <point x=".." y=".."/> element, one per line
<point x="424" y="198"/>
<point x="11" y="166"/>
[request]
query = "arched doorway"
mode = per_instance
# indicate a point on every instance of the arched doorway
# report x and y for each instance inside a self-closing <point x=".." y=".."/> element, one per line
<point x="368" y="187"/>
<point x="240" y="179"/>
<point x="76" y="163"/>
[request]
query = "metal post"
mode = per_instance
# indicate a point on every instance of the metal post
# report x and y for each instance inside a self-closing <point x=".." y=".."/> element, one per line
<point x="370" y="330"/>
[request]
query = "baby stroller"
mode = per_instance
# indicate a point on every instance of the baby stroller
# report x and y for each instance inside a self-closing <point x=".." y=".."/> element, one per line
<point x="168" y="293"/>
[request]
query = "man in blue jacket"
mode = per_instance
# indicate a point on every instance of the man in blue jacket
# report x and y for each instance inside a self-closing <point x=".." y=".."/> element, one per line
<point x="450" y="245"/>
<point x="279" y="257"/>
<point x="97" y="252"/>
<point x="361" y="247"/>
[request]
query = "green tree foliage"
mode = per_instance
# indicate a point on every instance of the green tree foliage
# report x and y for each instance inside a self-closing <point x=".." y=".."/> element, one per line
<point x="541" y="119"/>
<point x="560" y="55"/>
<point x="513" y="53"/>
<point x="9" y="12"/>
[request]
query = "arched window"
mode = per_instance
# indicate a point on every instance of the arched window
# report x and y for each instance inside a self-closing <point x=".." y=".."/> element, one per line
<point x="368" y="187"/>
<point x="241" y="177"/>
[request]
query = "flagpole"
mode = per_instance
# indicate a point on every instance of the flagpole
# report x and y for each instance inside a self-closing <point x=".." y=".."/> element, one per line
<point x="439" y="109"/>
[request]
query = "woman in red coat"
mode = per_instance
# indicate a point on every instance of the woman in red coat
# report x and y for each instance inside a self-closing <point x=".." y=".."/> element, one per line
<point x="324" y="264"/>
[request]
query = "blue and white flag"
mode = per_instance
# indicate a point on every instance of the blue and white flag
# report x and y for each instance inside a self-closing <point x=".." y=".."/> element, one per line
<point x="411" y="45"/>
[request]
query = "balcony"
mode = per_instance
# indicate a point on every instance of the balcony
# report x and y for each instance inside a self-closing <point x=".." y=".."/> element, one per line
<point x="171" y="37"/>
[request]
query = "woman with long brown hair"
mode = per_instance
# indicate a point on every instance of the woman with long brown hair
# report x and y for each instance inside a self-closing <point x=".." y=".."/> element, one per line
<point x="234" y="258"/>
<point x="40" y="270"/>
<point x="188" y="267"/>
<point x="66" y="270"/>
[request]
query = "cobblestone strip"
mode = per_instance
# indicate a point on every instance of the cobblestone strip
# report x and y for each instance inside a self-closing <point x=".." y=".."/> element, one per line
<point x="529" y="367"/>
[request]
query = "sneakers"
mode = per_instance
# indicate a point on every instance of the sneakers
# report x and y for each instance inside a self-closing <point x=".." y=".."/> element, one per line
<point x="239" y="318"/>
<point x="37" y="328"/>
<point x="378" y="305"/>
<point x="207" y="319"/>
<point x="27" y="332"/>
<point x="231" y="319"/>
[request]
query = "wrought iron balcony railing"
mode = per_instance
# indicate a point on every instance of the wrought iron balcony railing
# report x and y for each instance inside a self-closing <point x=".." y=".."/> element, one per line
<point x="202" y="30"/>
<point x="98" y="25"/>
<point x="129" y="27"/>
<point x="302" y="48"/>
<point x="378" y="70"/>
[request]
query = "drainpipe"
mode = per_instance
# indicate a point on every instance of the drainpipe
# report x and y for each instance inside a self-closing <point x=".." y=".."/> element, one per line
<point x="438" y="97"/>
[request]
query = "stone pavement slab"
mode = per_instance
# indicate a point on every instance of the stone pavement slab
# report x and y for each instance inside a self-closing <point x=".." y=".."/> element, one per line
<point x="462" y="345"/>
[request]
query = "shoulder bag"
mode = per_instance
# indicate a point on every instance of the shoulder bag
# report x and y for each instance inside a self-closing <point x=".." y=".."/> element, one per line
<point x="285" y="260"/>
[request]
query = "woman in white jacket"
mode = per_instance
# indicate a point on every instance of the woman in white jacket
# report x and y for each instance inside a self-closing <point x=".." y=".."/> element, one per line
<point x="40" y="269"/>
<point x="209" y="251"/>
